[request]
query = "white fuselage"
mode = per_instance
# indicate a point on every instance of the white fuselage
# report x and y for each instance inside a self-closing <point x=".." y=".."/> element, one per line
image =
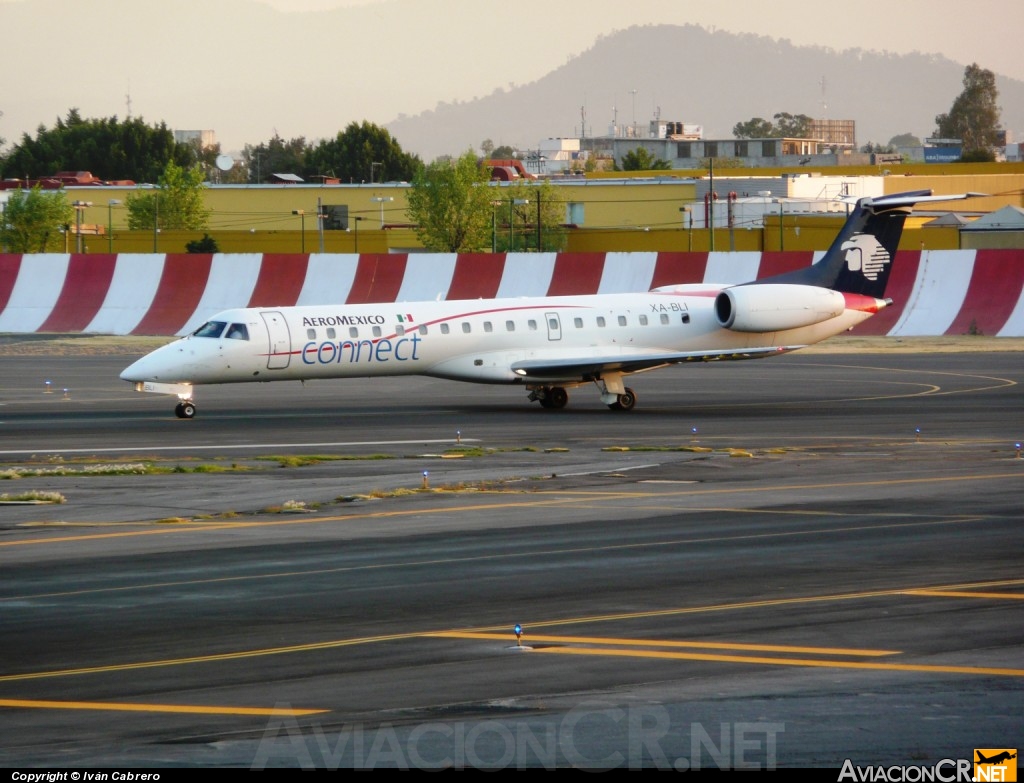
<point x="470" y="340"/>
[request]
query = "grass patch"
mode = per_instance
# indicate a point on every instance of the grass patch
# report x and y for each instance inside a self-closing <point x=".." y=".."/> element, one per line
<point x="32" y="497"/>
<point x="234" y="467"/>
<point x="480" y="451"/>
<point x="120" y="469"/>
<point x="301" y="460"/>
<point x="115" y="469"/>
<point x="698" y="449"/>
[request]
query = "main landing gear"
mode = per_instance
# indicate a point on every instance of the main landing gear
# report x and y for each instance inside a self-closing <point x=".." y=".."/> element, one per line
<point x="556" y="397"/>
<point x="625" y="402"/>
<point x="185" y="409"/>
<point x="551" y="396"/>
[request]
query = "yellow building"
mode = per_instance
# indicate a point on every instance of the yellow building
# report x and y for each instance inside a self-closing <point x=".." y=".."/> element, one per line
<point x="604" y="213"/>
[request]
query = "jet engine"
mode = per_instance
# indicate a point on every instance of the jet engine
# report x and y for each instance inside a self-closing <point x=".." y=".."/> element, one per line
<point x="775" y="307"/>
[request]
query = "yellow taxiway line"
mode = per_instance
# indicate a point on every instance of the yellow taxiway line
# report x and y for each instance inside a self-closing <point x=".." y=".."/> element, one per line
<point x="187" y="709"/>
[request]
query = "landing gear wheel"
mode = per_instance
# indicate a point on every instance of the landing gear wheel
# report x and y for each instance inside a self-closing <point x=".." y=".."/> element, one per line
<point x="556" y="397"/>
<point x="626" y="401"/>
<point x="184" y="410"/>
<point x="551" y="397"/>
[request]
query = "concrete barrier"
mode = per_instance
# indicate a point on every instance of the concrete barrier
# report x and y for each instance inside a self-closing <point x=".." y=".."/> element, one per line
<point x="935" y="292"/>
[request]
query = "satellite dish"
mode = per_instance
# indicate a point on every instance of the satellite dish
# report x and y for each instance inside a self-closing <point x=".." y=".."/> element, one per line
<point x="225" y="162"/>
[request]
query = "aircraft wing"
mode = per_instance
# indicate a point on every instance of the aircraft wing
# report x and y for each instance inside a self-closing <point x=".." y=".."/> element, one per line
<point x="590" y="367"/>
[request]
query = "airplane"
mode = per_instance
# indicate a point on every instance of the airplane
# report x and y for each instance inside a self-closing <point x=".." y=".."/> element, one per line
<point x="548" y="345"/>
<point x="996" y="759"/>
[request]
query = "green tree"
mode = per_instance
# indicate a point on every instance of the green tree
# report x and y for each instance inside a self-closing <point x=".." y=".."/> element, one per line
<point x="755" y="128"/>
<point x="450" y="203"/>
<point x="109" y="148"/>
<point x="177" y="203"/>
<point x="522" y="202"/>
<point x="276" y="156"/>
<point x="974" y="116"/>
<point x="32" y="219"/>
<point x="363" y="153"/>
<point x="904" y="140"/>
<point x="205" y="245"/>
<point x="792" y="126"/>
<point x="785" y="125"/>
<point x="642" y="159"/>
<point x="503" y="152"/>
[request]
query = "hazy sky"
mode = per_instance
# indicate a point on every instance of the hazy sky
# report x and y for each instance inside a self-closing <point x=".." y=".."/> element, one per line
<point x="248" y="68"/>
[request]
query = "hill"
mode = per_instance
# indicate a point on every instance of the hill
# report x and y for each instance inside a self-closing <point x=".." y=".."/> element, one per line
<point x="712" y="78"/>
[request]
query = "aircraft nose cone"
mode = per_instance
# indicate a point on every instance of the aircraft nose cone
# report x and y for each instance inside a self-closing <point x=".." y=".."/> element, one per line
<point x="135" y="371"/>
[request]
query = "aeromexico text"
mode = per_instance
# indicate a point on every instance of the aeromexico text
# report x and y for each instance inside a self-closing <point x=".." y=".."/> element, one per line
<point x="344" y="320"/>
<point x="381" y="349"/>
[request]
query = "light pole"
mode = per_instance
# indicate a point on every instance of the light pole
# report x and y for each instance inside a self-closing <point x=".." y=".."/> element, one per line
<point x="357" y="220"/>
<point x="302" y="215"/>
<point x="686" y="211"/>
<point x="79" y="207"/>
<point x="381" y="200"/>
<point x="110" y="223"/>
<point x="156" y="217"/>
<point x="494" y="225"/>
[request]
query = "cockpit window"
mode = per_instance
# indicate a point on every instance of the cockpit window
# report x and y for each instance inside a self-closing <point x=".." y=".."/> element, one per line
<point x="210" y="329"/>
<point x="237" y="332"/>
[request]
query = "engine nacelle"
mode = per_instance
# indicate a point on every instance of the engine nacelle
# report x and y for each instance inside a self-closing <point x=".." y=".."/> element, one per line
<point x="775" y="307"/>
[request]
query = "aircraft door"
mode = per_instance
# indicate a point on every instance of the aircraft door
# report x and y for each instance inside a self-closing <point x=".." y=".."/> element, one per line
<point x="554" y="326"/>
<point x="280" y="353"/>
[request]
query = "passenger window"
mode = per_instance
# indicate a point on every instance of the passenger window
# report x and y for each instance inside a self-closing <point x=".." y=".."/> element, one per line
<point x="510" y="326"/>
<point x="311" y="334"/>
<point x="353" y="332"/>
<point x="423" y="329"/>
<point x="399" y="330"/>
<point x="444" y="329"/>
<point x="330" y="333"/>
<point x="553" y="324"/>
<point x="465" y="327"/>
<point x="643" y="320"/>
<point x="622" y="320"/>
<point x="600" y="321"/>
<point x="664" y="318"/>
<point x="376" y="331"/>
<point x="488" y="327"/>
<point x="238" y="332"/>
<point x="210" y="329"/>
<point x="577" y="322"/>
<point x="531" y="325"/>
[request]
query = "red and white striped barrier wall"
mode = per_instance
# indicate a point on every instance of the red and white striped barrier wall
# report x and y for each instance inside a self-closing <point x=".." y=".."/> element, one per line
<point x="935" y="292"/>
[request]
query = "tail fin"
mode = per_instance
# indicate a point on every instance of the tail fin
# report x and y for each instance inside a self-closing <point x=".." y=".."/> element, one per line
<point x="860" y="258"/>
